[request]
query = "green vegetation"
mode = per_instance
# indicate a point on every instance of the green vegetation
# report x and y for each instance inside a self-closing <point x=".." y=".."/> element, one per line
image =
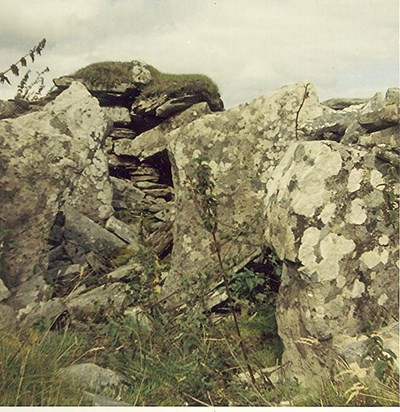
<point x="173" y="85"/>
<point x="30" y="368"/>
<point x="169" y="364"/>
<point x="176" y="85"/>
<point x="180" y="357"/>
<point x="108" y="74"/>
<point x="22" y="62"/>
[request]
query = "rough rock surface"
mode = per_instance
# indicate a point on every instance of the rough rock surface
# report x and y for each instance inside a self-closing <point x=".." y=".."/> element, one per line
<point x="326" y="217"/>
<point x="327" y="209"/>
<point x="154" y="140"/>
<point x="242" y="146"/>
<point x="47" y="159"/>
<point x="148" y="112"/>
<point x="93" y="378"/>
<point x="87" y="236"/>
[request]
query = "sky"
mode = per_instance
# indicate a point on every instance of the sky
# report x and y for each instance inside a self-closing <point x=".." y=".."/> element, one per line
<point x="346" y="48"/>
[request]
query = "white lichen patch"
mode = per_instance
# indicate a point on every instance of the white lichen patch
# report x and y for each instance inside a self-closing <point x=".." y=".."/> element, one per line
<point x="310" y="191"/>
<point x="374" y="257"/>
<point x="358" y="289"/>
<point x="357" y="214"/>
<point x="196" y="154"/>
<point x="181" y="159"/>
<point x="383" y="299"/>
<point x="187" y="243"/>
<point x="383" y="240"/>
<point x="340" y="281"/>
<point x="327" y="213"/>
<point x="355" y="179"/>
<point x="376" y="180"/>
<point x="325" y="259"/>
<point x="220" y="168"/>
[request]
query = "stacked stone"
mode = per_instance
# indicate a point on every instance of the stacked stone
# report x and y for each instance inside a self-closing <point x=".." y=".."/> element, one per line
<point x="139" y="166"/>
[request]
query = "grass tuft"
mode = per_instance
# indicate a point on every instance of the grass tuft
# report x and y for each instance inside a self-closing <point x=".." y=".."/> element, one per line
<point x="112" y="74"/>
<point x="30" y="368"/>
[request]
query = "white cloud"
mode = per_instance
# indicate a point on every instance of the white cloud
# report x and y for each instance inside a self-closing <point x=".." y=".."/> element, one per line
<point x="249" y="47"/>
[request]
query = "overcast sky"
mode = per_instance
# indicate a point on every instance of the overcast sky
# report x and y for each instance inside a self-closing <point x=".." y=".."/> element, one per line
<point x="346" y="48"/>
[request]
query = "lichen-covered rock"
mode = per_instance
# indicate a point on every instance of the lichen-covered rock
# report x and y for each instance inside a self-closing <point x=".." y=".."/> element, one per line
<point x="242" y="146"/>
<point x="83" y="235"/>
<point x="154" y="141"/>
<point x="128" y="233"/>
<point x="327" y="216"/>
<point x="119" y="115"/>
<point x="94" y="302"/>
<point x="328" y="211"/>
<point x="93" y="378"/>
<point x="49" y="158"/>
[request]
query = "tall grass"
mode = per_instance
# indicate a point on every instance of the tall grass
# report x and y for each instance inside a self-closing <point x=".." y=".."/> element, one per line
<point x="172" y="364"/>
<point x="30" y="368"/>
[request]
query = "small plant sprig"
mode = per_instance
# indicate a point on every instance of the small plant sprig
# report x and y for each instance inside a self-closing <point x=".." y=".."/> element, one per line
<point x="383" y="358"/>
<point x="305" y="96"/>
<point x="32" y="91"/>
<point x="22" y="62"/>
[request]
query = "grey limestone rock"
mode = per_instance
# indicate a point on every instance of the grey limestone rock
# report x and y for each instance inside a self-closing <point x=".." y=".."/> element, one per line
<point x="49" y="158"/>
<point x="87" y="235"/>
<point x="154" y="140"/>
<point x="331" y="230"/>
<point x="95" y="379"/>
<point x="324" y="207"/>
<point x="119" y="115"/>
<point x="343" y="103"/>
<point x="86" y="304"/>
<point x="241" y="146"/>
<point x="128" y="233"/>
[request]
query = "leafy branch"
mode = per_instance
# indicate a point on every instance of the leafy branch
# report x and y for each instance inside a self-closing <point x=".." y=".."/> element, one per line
<point x="22" y="62"/>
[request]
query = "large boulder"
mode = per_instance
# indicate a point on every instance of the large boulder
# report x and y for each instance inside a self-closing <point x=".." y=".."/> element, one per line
<point x="326" y="209"/>
<point x="48" y="159"/>
<point x="327" y="217"/>
<point x="241" y="146"/>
